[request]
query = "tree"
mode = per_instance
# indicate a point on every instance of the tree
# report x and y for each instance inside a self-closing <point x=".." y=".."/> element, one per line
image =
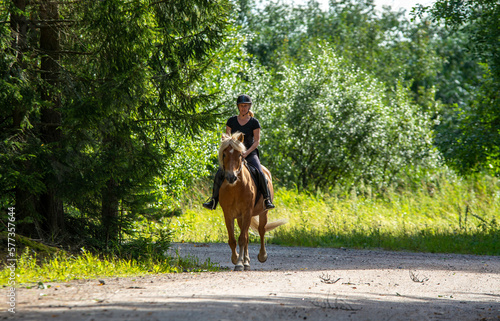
<point x="330" y="123"/>
<point x="384" y="43"/>
<point x="23" y="145"/>
<point x="475" y="144"/>
<point x="118" y="78"/>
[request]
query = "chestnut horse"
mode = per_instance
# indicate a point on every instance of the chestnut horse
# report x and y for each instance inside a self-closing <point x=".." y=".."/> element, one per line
<point x="237" y="197"/>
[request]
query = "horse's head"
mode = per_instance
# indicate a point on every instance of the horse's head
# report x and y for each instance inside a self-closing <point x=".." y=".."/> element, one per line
<point x="230" y="159"/>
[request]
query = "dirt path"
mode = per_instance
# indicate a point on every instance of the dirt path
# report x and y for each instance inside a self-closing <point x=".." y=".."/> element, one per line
<point x="294" y="284"/>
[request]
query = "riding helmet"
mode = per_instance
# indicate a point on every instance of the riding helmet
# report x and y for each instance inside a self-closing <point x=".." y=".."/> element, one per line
<point x="243" y="99"/>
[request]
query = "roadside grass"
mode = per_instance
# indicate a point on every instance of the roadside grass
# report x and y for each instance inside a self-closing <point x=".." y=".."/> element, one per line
<point x="62" y="267"/>
<point x="449" y="215"/>
<point x="146" y="253"/>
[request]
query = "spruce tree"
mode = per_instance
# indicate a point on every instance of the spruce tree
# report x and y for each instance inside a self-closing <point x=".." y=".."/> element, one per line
<point x="92" y="88"/>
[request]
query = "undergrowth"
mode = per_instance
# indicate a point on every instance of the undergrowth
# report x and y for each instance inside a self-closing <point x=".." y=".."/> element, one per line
<point x="147" y="253"/>
<point x="446" y="215"/>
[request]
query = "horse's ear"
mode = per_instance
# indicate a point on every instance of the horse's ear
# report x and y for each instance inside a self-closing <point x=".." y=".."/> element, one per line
<point x="241" y="137"/>
<point x="224" y="136"/>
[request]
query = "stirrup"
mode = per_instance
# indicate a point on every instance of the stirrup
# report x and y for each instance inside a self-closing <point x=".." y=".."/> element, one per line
<point x="268" y="204"/>
<point x="211" y="204"/>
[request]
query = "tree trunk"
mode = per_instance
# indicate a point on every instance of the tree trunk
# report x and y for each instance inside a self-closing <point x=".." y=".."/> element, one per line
<point x="19" y="27"/>
<point x="50" y="206"/>
<point x="109" y="211"/>
<point x="25" y="201"/>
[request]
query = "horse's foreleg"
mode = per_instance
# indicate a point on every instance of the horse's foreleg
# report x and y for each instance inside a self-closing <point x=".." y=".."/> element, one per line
<point x="231" y="239"/>
<point x="243" y="258"/>
<point x="262" y="231"/>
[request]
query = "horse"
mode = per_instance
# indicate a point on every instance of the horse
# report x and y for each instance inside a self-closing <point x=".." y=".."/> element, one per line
<point x="237" y="198"/>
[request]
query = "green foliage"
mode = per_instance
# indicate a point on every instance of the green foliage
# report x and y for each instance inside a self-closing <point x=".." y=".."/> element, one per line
<point x="127" y="97"/>
<point x="197" y="225"/>
<point x="330" y="123"/>
<point x="147" y="103"/>
<point x="383" y="43"/>
<point x="473" y="144"/>
<point x="431" y="60"/>
<point x="469" y="139"/>
<point x="447" y="215"/>
<point x="190" y="161"/>
<point x="147" y="252"/>
<point x="19" y="147"/>
<point x="347" y="97"/>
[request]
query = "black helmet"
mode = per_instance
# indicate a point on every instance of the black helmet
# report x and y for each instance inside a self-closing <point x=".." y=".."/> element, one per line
<point x="243" y="99"/>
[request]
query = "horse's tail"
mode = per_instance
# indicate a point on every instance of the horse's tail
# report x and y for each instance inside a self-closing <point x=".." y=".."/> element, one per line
<point x="254" y="224"/>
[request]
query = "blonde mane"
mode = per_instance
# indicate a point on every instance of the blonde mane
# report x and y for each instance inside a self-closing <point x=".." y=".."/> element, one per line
<point x="233" y="141"/>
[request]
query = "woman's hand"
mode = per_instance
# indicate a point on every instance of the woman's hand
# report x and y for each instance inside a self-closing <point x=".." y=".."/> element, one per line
<point x="245" y="154"/>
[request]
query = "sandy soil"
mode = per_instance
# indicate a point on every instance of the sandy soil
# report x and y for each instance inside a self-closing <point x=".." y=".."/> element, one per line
<point x="294" y="284"/>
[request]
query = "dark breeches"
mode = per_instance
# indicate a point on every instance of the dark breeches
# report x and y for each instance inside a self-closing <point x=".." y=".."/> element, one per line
<point x="253" y="160"/>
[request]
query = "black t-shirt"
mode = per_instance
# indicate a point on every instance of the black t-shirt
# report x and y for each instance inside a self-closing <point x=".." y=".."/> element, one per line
<point x="246" y="129"/>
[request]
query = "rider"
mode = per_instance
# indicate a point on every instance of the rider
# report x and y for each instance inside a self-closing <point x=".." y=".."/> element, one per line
<point x="250" y="126"/>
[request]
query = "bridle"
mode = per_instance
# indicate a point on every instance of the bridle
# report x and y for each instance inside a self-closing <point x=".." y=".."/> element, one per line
<point x="243" y="161"/>
<point x="241" y="166"/>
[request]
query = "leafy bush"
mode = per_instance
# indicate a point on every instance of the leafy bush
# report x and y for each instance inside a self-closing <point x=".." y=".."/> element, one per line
<point x="330" y="123"/>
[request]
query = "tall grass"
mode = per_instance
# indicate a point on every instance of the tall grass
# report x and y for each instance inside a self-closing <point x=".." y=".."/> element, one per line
<point x="450" y="214"/>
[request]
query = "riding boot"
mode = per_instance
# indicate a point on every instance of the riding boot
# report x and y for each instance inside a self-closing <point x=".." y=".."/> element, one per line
<point x="211" y="204"/>
<point x="264" y="188"/>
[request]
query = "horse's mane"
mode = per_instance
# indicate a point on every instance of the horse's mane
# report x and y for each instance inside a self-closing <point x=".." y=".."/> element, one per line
<point x="234" y="142"/>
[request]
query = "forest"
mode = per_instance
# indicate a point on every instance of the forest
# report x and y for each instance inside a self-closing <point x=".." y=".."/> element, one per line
<point x="112" y="111"/>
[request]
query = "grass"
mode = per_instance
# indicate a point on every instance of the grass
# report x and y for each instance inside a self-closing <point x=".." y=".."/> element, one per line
<point x="449" y="215"/>
<point x="146" y="253"/>
<point x="63" y="267"/>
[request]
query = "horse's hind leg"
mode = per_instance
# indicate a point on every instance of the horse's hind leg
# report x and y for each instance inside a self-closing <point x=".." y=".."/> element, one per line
<point x="246" y="259"/>
<point x="231" y="239"/>
<point x="262" y="231"/>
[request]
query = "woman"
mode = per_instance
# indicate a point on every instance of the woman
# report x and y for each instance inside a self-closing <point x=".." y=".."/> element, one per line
<point x="248" y="125"/>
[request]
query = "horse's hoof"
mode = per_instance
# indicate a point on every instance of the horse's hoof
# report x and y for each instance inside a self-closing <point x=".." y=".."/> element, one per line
<point x="262" y="259"/>
<point x="247" y="267"/>
<point x="238" y="267"/>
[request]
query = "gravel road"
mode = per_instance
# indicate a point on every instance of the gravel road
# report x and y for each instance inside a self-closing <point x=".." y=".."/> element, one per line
<point x="294" y="284"/>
